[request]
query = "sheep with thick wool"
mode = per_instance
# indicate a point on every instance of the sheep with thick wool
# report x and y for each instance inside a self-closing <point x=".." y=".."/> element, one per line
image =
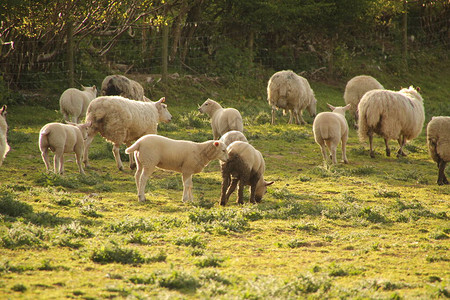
<point x="4" y="147"/>
<point x="291" y="92"/>
<point x="356" y="88"/>
<point x="329" y="129"/>
<point x="74" y="102"/>
<point x="438" y="140"/>
<point x="186" y="157"/>
<point x="233" y="136"/>
<point x="122" y="121"/>
<point x="119" y="85"/>
<point x="62" y="138"/>
<point x="222" y="119"/>
<point x="245" y="166"/>
<point x="392" y="115"/>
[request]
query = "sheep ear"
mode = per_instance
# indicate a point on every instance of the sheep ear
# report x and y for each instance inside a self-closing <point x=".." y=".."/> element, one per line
<point x="83" y="87"/>
<point x="3" y="112"/>
<point x="418" y="89"/>
<point x="71" y="123"/>
<point x="268" y="183"/>
<point x="331" y="106"/>
<point x="348" y="106"/>
<point x="216" y="143"/>
<point x="162" y="100"/>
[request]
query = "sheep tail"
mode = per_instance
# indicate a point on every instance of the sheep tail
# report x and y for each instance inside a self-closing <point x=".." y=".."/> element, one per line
<point x="132" y="148"/>
<point x="362" y="127"/>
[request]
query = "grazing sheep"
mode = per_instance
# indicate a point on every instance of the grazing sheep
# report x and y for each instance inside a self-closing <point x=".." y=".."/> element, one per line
<point x="222" y="119"/>
<point x="292" y="92"/>
<point x="74" y="102"/>
<point x="438" y="139"/>
<point x="392" y="115"/>
<point x="122" y="121"/>
<point x="329" y="129"/>
<point x="186" y="157"/>
<point x="246" y="166"/>
<point x="233" y="136"/>
<point x="356" y="88"/>
<point x="62" y="138"/>
<point x="4" y="147"/>
<point x="119" y="85"/>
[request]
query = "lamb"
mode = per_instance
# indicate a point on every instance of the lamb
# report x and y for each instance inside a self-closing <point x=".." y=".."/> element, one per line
<point x="392" y="115"/>
<point x="62" y="138"/>
<point x="122" y="121"/>
<point x="356" y="88"/>
<point x="292" y="92"/>
<point x="329" y="129"/>
<point x="246" y="166"/>
<point x="186" y="157"/>
<point x="4" y="147"/>
<point x="74" y="102"/>
<point x="232" y="136"/>
<point x="222" y="119"/>
<point x="119" y="85"/>
<point x="438" y="140"/>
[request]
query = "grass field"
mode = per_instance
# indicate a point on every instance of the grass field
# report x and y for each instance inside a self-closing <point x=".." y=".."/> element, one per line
<point x="373" y="229"/>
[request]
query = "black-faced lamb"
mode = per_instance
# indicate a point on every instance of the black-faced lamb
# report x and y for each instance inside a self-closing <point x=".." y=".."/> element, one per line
<point x="356" y="88"/>
<point x="186" y="157"/>
<point x="438" y="140"/>
<point x="392" y="115"/>
<point x="222" y="119"/>
<point x="122" y="121"/>
<point x="119" y="85"/>
<point x="4" y="147"/>
<point x="62" y="138"/>
<point x="74" y="102"/>
<point x="291" y="92"/>
<point x="233" y="136"/>
<point x="245" y="166"/>
<point x="329" y="129"/>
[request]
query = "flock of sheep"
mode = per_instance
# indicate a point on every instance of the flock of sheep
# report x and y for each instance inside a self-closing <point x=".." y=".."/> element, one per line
<point x="123" y="115"/>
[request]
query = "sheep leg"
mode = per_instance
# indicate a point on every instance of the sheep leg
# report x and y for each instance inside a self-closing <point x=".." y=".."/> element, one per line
<point x="388" y="151"/>
<point x="300" y="115"/>
<point x="232" y="187"/>
<point x="80" y="165"/>
<point x="290" y="117"/>
<point x="131" y="158"/>
<point x="241" y="192"/>
<point x="187" y="188"/>
<point x="401" y="143"/>
<point x="344" y="148"/>
<point x="333" y="147"/>
<point x="44" y="155"/>
<point x="372" y="153"/>
<point x="252" y="193"/>
<point x="442" y="179"/>
<point x="87" y="144"/>
<point x="58" y="160"/>
<point x="324" y="153"/>
<point x="273" y="115"/>
<point x="116" y="153"/>
<point x="225" y="184"/>
<point x="141" y="176"/>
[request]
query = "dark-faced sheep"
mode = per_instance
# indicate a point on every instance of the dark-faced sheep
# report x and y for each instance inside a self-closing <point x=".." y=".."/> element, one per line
<point x="438" y="140"/>
<point x="4" y="147"/>
<point x="122" y="121"/>
<point x="245" y="166"/>
<point x="356" y="88"/>
<point x="119" y="85"/>
<point x="291" y="92"/>
<point x="392" y="115"/>
<point x="186" y="157"/>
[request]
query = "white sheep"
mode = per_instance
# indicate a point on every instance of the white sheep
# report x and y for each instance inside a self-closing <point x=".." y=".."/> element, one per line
<point x="356" y="88"/>
<point x="246" y="166"/>
<point x="119" y="85"/>
<point x="74" y="102"/>
<point x="4" y="147"/>
<point x="233" y="136"/>
<point x="438" y="140"/>
<point x="122" y="121"/>
<point x="222" y="119"/>
<point x="392" y="115"/>
<point x="329" y="129"/>
<point x="186" y="157"/>
<point x="289" y="91"/>
<point x="62" y="138"/>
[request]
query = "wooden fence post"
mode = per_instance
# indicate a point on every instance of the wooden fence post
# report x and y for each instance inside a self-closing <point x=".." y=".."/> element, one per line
<point x="165" y="51"/>
<point x="405" y="33"/>
<point x="70" y="58"/>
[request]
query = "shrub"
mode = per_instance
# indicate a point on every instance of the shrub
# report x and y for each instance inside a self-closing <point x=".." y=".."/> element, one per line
<point x="194" y="241"/>
<point x="22" y="235"/>
<point x="115" y="254"/>
<point x="130" y="225"/>
<point x="209" y="261"/>
<point x="179" y="281"/>
<point x="19" y="287"/>
<point x="11" y="207"/>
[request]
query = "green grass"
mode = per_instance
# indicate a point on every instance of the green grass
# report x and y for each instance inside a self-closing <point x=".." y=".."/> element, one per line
<point x="375" y="228"/>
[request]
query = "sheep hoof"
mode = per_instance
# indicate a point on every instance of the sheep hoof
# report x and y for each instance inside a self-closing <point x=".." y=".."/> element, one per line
<point x="372" y="155"/>
<point x="141" y="198"/>
<point x="345" y="161"/>
<point x="133" y="166"/>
